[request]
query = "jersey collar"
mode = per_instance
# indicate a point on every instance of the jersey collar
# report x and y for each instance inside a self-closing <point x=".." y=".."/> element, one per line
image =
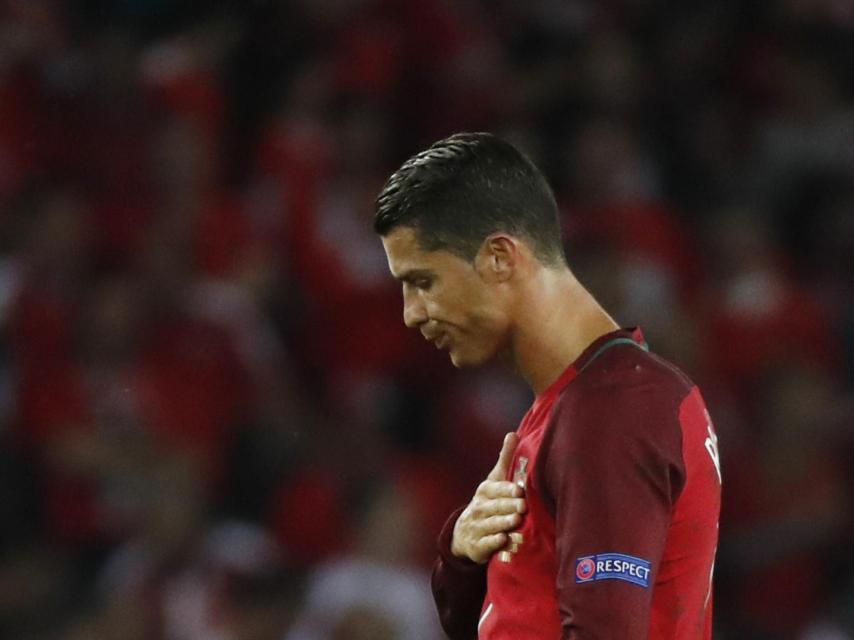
<point x="587" y="356"/>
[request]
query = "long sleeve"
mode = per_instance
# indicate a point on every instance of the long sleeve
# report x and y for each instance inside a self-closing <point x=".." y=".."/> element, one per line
<point x="613" y="470"/>
<point x="459" y="587"/>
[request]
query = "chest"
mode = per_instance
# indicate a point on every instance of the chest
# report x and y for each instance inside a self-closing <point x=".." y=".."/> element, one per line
<point x="521" y="600"/>
<point x="528" y="458"/>
<point x="530" y="553"/>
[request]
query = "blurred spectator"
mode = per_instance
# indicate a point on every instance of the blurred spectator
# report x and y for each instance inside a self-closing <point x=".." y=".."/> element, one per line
<point x="372" y="592"/>
<point x="787" y="514"/>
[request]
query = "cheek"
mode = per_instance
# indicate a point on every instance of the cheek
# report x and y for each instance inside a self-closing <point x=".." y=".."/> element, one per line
<point x="470" y="309"/>
<point x="449" y="309"/>
<point x="496" y="335"/>
<point x="484" y="338"/>
<point x="488" y="320"/>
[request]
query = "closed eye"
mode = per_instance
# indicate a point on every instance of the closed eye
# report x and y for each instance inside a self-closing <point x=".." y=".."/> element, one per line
<point x="421" y="279"/>
<point x="423" y="284"/>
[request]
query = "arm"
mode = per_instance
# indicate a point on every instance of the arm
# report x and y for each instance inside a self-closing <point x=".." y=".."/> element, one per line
<point x="468" y="539"/>
<point x="613" y="470"/>
<point x="459" y="586"/>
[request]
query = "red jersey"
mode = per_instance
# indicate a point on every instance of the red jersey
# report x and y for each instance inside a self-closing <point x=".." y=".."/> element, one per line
<point x="622" y="482"/>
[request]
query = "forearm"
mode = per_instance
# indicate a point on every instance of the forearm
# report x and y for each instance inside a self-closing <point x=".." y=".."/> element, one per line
<point x="459" y="587"/>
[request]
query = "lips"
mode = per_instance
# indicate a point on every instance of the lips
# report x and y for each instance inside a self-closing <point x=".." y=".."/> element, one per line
<point x="440" y="340"/>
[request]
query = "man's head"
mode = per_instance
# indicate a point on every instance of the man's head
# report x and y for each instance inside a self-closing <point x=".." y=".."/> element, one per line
<point x="465" y="187"/>
<point x="458" y="221"/>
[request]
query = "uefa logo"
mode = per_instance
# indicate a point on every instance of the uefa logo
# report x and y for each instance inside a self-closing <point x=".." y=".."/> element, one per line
<point x="584" y="569"/>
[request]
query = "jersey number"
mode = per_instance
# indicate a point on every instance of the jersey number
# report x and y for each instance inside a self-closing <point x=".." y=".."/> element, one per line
<point x="712" y="446"/>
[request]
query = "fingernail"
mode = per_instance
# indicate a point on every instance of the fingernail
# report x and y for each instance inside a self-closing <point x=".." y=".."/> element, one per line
<point x="505" y="556"/>
<point x="516" y="537"/>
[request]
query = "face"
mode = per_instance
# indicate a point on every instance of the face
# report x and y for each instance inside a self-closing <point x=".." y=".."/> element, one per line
<point x="455" y="305"/>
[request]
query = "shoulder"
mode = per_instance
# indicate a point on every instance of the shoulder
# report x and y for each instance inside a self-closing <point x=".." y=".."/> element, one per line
<point x="619" y="416"/>
<point x="626" y="377"/>
<point x="626" y="395"/>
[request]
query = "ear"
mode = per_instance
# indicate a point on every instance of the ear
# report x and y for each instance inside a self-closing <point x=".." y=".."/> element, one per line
<point x="498" y="258"/>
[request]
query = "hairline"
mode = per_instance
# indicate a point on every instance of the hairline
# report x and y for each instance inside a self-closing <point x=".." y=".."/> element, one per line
<point x="550" y="261"/>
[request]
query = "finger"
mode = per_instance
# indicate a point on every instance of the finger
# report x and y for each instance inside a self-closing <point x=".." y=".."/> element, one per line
<point x="502" y="467"/>
<point x="501" y="507"/>
<point x="493" y="489"/>
<point x="488" y="545"/>
<point x="498" y="524"/>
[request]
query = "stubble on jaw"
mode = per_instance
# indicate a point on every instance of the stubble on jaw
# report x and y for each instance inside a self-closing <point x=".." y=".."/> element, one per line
<point x="504" y="356"/>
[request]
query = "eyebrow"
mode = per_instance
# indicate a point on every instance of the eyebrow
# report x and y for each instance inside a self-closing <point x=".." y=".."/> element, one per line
<point x="414" y="274"/>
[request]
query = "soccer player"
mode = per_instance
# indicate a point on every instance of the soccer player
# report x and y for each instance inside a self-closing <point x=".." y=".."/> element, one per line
<point x="600" y="518"/>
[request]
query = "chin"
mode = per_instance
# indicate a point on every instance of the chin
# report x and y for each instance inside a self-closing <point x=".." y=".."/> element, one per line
<point x="463" y="360"/>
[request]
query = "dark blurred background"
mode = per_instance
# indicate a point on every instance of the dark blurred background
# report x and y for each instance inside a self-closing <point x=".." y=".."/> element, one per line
<point x="213" y="425"/>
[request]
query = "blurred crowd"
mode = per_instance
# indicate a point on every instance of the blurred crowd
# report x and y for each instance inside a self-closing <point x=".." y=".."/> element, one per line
<point x="213" y="424"/>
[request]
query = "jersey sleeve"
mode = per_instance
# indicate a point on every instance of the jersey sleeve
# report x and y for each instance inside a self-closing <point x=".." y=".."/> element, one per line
<point x="459" y="587"/>
<point x="613" y="470"/>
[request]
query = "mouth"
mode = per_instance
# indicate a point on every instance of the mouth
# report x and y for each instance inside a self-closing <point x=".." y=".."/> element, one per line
<point x="440" y="341"/>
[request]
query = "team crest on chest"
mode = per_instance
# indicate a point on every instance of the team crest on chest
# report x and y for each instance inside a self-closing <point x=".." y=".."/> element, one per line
<point x="520" y="476"/>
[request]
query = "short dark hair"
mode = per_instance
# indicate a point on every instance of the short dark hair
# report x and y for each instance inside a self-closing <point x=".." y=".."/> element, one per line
<point x="464" y="188"/>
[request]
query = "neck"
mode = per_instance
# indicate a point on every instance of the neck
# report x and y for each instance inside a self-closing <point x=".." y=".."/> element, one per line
<point x="558" y="320"/>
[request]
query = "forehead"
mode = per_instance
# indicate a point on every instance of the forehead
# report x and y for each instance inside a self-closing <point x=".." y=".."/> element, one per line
<point x="405" y="255"/>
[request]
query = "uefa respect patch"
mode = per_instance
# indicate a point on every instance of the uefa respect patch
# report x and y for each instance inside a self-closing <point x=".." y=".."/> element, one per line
<point x="613" y="566"/>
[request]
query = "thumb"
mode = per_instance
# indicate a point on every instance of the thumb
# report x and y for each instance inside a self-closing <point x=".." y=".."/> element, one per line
<point x="499" y="471"/>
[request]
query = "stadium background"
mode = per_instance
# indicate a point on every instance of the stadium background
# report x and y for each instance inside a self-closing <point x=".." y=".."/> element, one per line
<point x="213" y="425"/>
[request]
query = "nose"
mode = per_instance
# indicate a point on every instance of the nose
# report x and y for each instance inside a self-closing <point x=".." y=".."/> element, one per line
<point x="414" y="311"/>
